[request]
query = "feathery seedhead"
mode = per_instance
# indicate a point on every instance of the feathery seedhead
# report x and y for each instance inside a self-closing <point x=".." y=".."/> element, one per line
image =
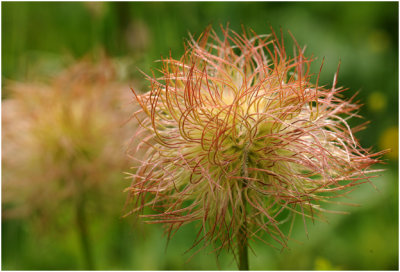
<point x="235" y="132"/>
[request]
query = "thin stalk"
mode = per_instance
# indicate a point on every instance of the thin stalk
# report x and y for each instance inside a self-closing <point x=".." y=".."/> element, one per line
<point x="84" y="234"/>
<point x="242" y="237"/>
<point x="243" y="242"/>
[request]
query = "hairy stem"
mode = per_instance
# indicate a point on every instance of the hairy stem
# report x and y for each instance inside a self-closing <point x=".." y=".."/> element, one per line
<point x="243" y="244"/>
<point x="242" y="237"/>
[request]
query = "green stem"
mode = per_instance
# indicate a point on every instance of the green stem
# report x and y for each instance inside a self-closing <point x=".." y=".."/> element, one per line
<point x="242" y="237"/>
<point x="243" y="244"/>
<point x="84" y="234"/>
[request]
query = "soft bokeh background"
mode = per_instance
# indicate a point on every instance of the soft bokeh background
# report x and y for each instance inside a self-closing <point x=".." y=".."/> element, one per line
<point x="40" y="39"/>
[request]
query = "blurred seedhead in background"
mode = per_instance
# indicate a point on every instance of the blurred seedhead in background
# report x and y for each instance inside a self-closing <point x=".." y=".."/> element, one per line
<point x="63" y="146"/>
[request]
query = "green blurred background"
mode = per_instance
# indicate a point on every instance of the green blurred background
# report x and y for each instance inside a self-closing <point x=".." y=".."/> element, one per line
<point x="42" y="38"/>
